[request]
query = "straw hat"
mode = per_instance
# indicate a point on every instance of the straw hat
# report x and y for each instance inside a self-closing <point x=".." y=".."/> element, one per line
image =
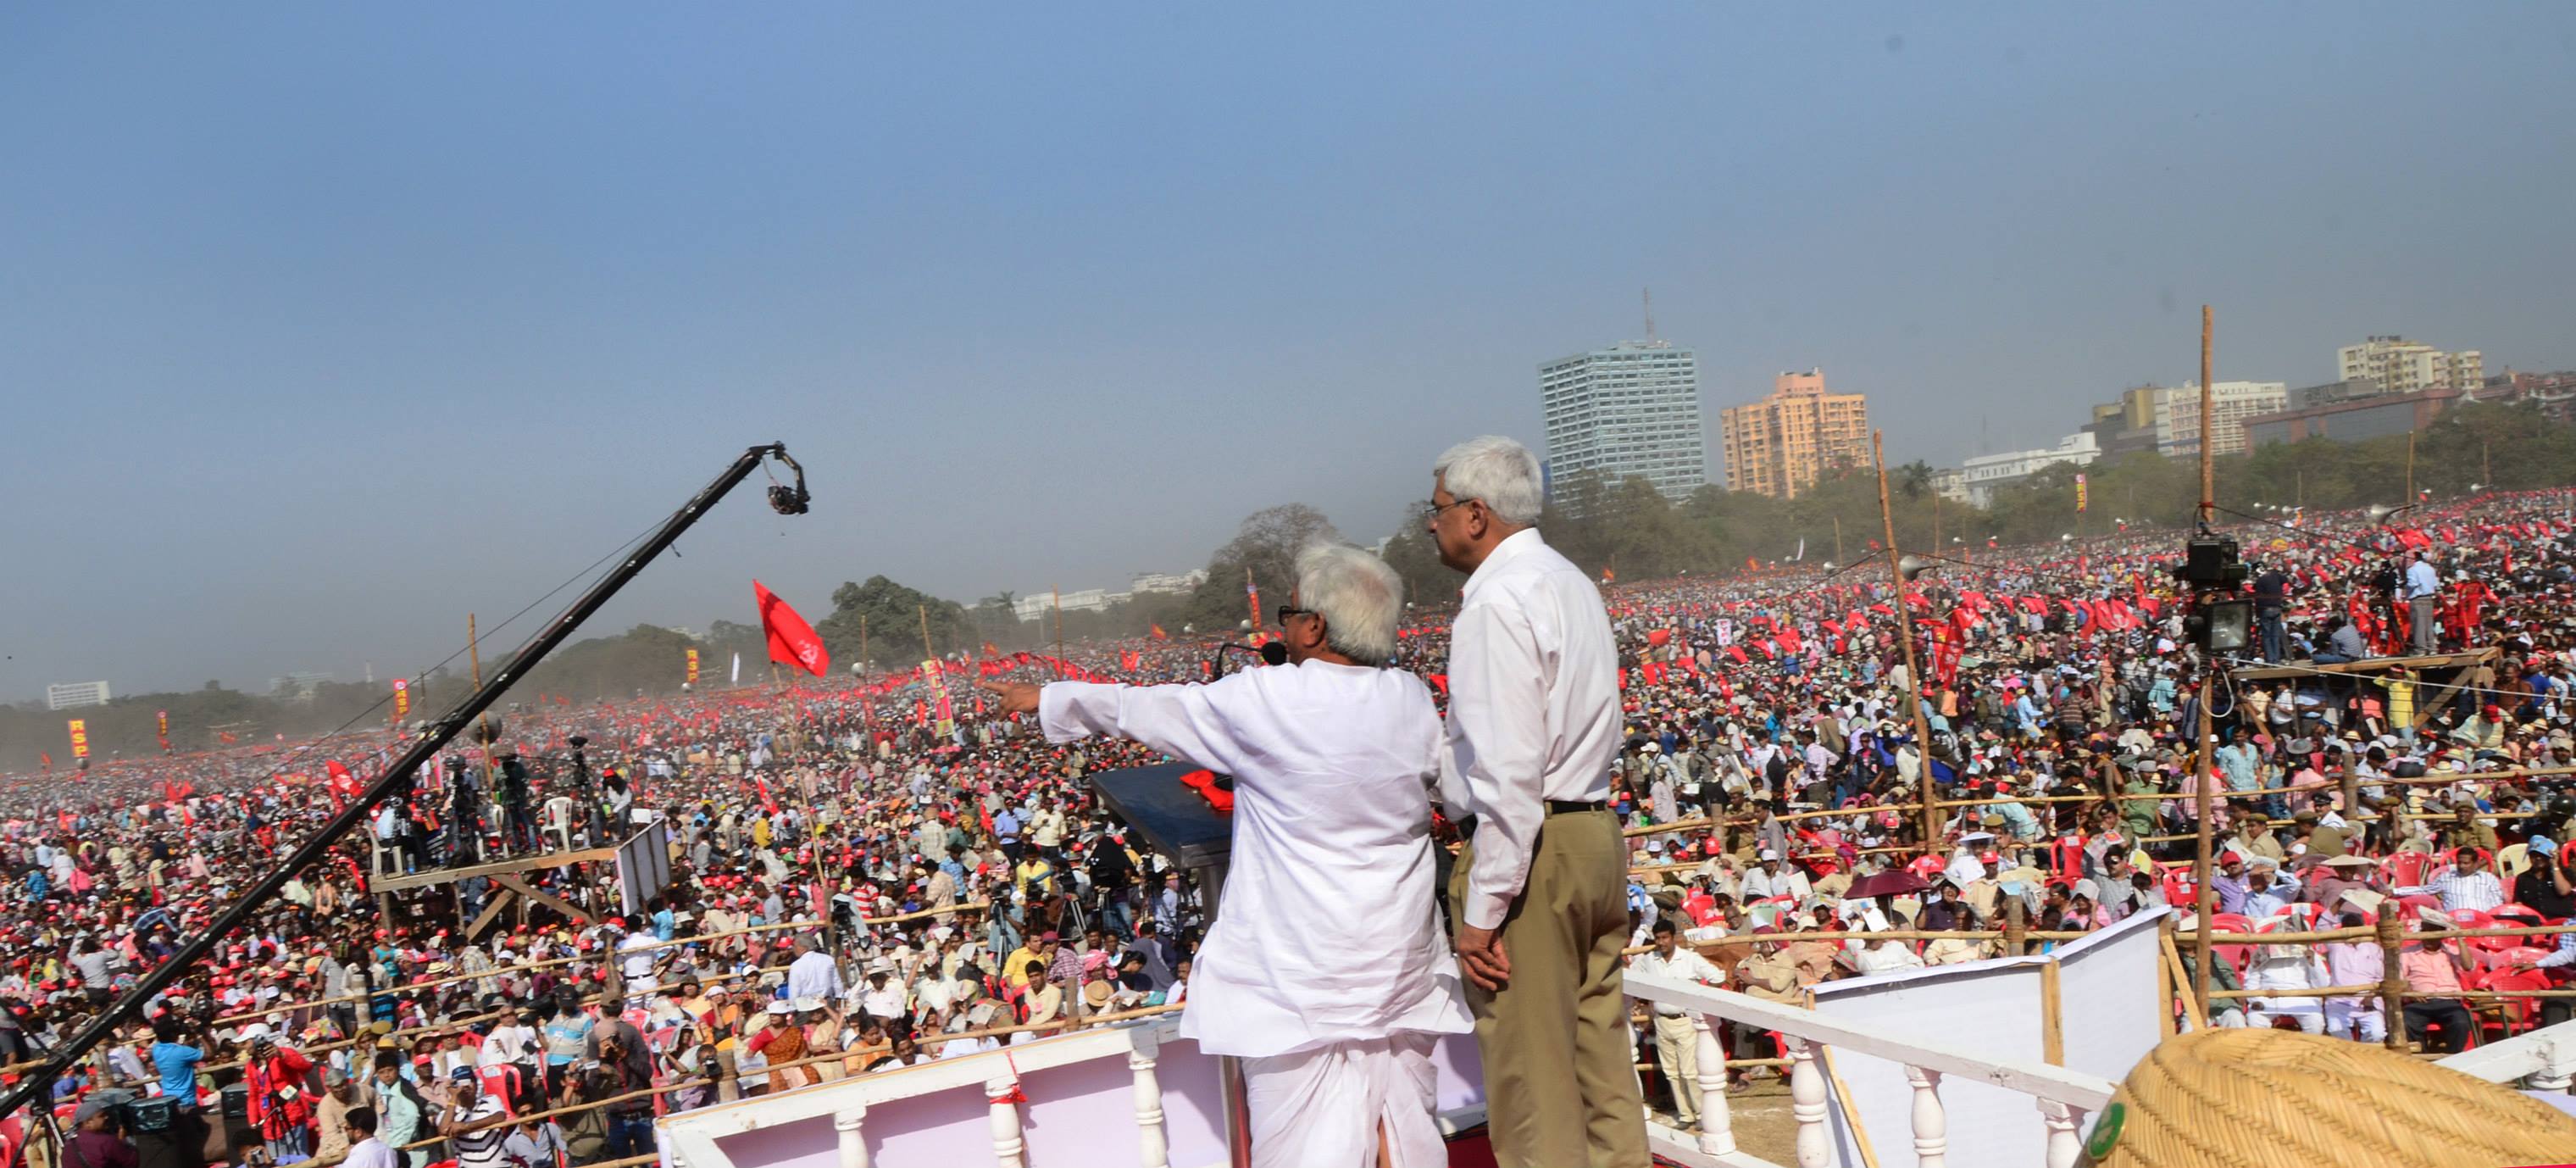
<point x="2277" y="1099"/>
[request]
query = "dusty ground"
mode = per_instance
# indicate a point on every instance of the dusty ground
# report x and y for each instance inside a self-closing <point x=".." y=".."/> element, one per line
<point x="1762" y="1123"/>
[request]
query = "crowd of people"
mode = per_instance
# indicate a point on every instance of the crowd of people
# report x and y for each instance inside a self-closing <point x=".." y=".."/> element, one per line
<point x="875" y="872"/>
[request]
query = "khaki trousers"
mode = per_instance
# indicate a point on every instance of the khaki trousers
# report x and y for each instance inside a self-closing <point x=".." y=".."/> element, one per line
<point x="1560" y="1062"/>
<point x="1677" y="1052"/>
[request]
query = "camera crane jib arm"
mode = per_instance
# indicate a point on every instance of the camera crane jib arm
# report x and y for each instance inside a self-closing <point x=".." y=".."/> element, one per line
<point x="784" y="498"/>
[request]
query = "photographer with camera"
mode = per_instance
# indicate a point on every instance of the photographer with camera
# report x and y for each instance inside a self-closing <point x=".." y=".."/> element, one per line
<point x="281" y="1099"/>
<point x="98" y="1143"/>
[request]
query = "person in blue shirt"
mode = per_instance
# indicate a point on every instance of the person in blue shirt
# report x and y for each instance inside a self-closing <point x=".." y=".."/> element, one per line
<point x="1006" y="829"/>
<point x="176" y="1061"/>
<point x="2423" y="591"/>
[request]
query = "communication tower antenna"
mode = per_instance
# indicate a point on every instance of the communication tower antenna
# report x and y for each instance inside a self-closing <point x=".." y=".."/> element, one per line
<point x="1650" y="314"/>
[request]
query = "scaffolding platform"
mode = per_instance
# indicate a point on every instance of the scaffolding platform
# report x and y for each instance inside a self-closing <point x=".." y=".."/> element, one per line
<point x="2418" y="687"/>
<point x="511" y="867"/>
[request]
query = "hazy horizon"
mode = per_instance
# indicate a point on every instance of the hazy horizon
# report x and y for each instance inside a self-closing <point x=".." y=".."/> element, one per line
<point x="322" y="327"/>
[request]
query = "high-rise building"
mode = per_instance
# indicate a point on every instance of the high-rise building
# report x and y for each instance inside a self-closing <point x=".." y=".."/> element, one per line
<point x="2403" y="366"/>
<point x="72" y="695"/>
<point x="1782" y="444"/>
<point x="1628" y="411"/>
<point x="2231" y="402"/>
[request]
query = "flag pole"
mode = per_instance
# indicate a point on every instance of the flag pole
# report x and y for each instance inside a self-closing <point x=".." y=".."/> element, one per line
<point x="1905" y="636"/>
<point x="1057" y="594"/>
<point x="2204" y="773"/>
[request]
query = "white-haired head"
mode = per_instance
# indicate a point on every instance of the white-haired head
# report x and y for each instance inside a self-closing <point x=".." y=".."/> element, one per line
<point x="1358" y="596"/>
<point x="1496" y="471"/>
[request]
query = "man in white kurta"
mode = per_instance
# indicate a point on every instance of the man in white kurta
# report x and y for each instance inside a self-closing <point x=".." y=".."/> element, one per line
<point x="1325" y="971"/>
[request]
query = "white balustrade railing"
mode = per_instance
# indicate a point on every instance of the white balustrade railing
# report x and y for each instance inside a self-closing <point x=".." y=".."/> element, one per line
<point x="690" y="1138"/>
<point x="2065" y="1099"/>
<point x="2541" y="1060"/>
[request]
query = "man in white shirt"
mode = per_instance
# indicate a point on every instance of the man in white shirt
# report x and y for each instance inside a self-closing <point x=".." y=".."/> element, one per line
<point x="1770" y="880"/>
<point x="1538" y="897"/>
<point x="1676" y="1040"/>
<point x="2423" y="591"/>
<point x="1325" y="971"/>
<point x="637" y="964"/>
<point x="368" y="1151"/>
<point x="814" y="974"/>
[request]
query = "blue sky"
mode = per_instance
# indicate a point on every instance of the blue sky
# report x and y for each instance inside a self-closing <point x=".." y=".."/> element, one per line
<point x="321" y="325"/>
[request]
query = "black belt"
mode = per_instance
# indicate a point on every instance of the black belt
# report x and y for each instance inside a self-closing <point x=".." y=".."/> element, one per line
<point x="1467" y="824"/>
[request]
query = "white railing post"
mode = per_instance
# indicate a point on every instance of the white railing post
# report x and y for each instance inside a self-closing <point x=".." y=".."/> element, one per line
<point x="1009" y="1150"/>
<point x="1153" y="1143"/>
<point x="1931" y="1123"/>
<point x="1807" y="1103"/>
<point x="854" y="1143"/>
<point x="1716" y="1121"/>
<point x="2064" y="1144"/>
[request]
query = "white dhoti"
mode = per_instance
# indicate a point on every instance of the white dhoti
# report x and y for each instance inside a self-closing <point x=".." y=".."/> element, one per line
<point x="1323" y="1107"/>
<point x="2309" y="1013"/>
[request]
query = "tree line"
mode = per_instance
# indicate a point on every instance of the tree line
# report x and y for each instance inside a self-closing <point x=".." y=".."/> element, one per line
<point x="1625" y="527"/>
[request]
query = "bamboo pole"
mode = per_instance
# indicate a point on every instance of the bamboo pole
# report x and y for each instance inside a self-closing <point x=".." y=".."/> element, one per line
<point x="2392" y="989"/>
<point x="1905" y="636"/>
<point x="603" y="958"/>
<point x="1843" y="1099"/>
<point x="2205" y="768"/>
<point x="2321" y="936"/>
<point x="2165" y="969"/>
<point x="2052" y="1015"/>
<point x="2197" y="1009"/>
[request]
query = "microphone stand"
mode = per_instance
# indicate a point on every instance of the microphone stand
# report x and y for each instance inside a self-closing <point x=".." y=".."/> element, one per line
<point x="1272" y="653"/>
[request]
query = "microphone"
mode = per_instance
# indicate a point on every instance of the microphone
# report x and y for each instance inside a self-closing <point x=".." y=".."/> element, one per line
<point x="1271" y="653"/>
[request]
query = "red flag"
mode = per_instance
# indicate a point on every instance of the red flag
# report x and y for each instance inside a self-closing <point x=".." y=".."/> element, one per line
<point x="1159" y="634"/>
<point x="343" y="784"/>
<point x="790" y="639"/>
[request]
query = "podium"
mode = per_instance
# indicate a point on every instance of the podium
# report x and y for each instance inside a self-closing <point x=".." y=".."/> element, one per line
<point x="1175" y="820"/>
<point x="1199" y="840"/>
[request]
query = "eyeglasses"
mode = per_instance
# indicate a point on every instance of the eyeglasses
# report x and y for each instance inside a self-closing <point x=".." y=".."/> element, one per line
<point x="1289" y="610"/>
<point x="1431" y="509"/>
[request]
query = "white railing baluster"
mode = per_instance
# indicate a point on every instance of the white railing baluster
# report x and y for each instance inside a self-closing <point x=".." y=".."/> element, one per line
<point x="854" y="1142"/>
<point x="1807" y="1103"/>
<point x="1716" y="1121"/>
<point x="1009" y="1150"/>
<point x="2063" y="1143"/>
<point x="1931" y="1122"/>
<point x="1153" y="1143"/>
